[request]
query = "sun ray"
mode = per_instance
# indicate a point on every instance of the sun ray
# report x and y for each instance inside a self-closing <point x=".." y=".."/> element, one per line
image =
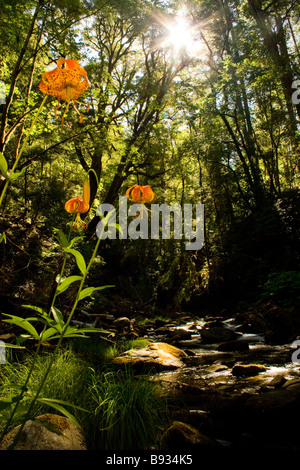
<point x="182" y="35"/>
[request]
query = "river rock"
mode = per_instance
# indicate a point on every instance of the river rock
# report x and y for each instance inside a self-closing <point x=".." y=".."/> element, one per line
<point x="217" y="334"/>
<point x="199" y="419"/>
<point x="158" y="356"/>
<point x="283" y="399"/>
<point x="180" y="334"/>
<point x="233" y="346"/>
<point x="292" y="385"/>
<point x="250" y="322"/>
<point x="184" y="436"/>
<point x="283" y="324"/>
<point x="121" y="323"/>
<point x="272" y="416"/>
<point x="277" y="381"/>
<point x="247" y="370"/>
<point x="163" y="330"/>
<point x="46" y="432"/>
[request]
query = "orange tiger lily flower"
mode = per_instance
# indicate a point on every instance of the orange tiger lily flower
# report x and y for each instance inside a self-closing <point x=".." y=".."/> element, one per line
<point x="140" y="194"/>
<point x="76" y="204"/>
<point x="66" y="84"/>
<point x="79" y="205"/>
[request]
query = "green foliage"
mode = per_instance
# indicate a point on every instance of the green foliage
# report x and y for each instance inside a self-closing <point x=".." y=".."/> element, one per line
<point x="3" y="165"/>
<point x="57" y="327"/>
<point x="126" y="412"/>
<point x="2" y="238"/>
<point x="60" y="391"/>
<point x="115" y="409"/>
<point x="282" y="288"/>
<point x="101" y="351"/>
<point x="216" y="128"/>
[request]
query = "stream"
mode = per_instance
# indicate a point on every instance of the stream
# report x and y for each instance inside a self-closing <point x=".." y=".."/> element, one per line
<point x="258" y="410"/>
<point x="215" y="366"/>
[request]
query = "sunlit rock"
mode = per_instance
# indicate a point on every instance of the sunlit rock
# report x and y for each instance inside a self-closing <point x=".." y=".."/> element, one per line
<point x="47" y="432"/>
<point x="247" y="370"/>
<point x="159" y="356"/>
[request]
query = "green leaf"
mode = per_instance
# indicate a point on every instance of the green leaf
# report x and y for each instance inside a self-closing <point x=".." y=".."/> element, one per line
<point x="50" y="333"/>
<point x="9" y="401"/>
<point x="79" y="259"/>
<point x="58" y="316"/>
<point x="66" y="283"/>
<point x="13" y="346"/>
<point x="3" y="165"/>
<point x="71" y="331"/>
<point x="22" y="338"/>
<point x="75" y="239"/>
<point x="5" y="403"/>
<point x="23" y="323"/>
<point x="2" y="237"/>
<point x="16" y="175"/>
<point x="92" y="330"/>
<point x="89" y="290"/>
<point x="75" y="332"/>
<point x="37" y="309"/>
<point x="60" y="406"/>
<point x="63" y="241"/>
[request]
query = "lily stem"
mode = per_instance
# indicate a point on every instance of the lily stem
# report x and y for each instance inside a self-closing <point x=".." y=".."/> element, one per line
<point x="24" y="388"/>
<point x="21" y="151"/>
<point x="58" y="344"/>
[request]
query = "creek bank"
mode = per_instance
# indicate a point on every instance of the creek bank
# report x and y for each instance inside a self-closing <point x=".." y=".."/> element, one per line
<point x="231" y="383"/>
<point x="225" y="385"/>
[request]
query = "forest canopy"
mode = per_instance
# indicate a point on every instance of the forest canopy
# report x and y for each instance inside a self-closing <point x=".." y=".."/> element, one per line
<point x="200" y="100"/>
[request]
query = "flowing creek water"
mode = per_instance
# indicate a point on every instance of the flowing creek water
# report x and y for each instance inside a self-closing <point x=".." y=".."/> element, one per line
<point x="215" y="366"/>
<point x="208" y="372"/>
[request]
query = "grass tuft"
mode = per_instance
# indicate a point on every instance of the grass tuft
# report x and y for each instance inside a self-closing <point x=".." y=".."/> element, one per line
<point x="123" y="412"/>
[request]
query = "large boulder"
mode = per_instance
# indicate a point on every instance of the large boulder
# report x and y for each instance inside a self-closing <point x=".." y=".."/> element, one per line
<point x="184" y="436"/>
<point x="158" y="356"/>
<point x="251" y="321"/>
<point x="278" y="324"/>
<point x="46" y="432"/>
<point x="272" y="414"/>
<point x="283" y="324"/>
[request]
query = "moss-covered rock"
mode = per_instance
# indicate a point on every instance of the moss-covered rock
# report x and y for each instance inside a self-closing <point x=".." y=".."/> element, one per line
<point x="46" y="432"/>
<point x="247" y="370"/>
<point x="184" y="436"/>
<point x="159" y="356"/>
